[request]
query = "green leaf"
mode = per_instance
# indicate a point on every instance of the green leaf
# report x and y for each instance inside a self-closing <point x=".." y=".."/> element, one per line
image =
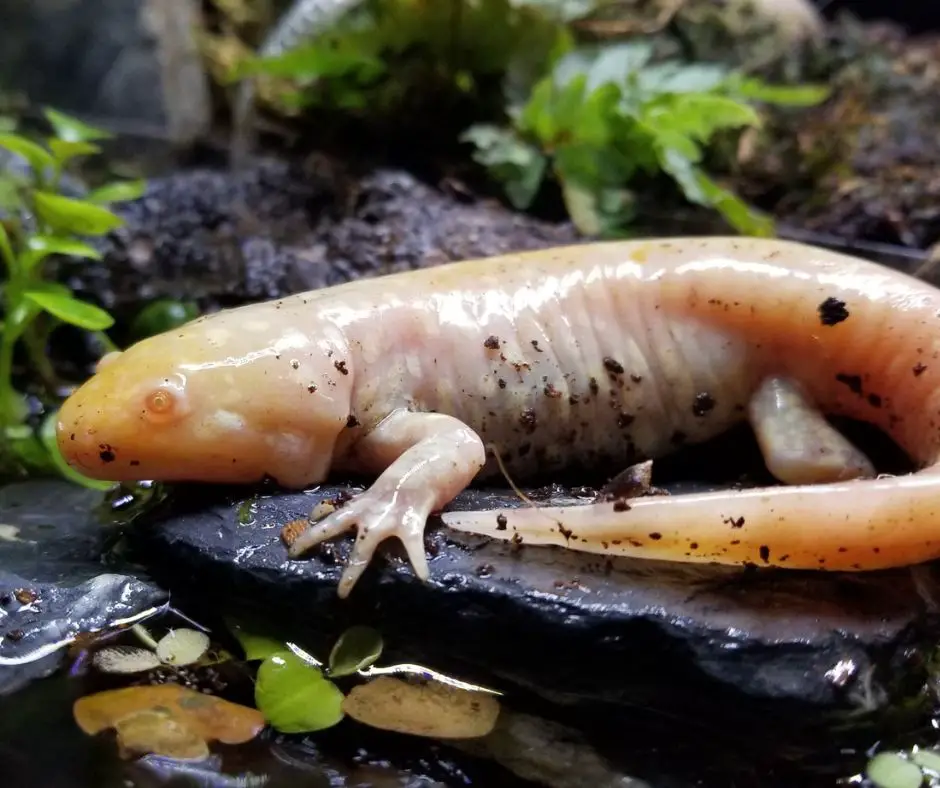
<point x="38" y="157"/>
<point x="119" y="191"/>
<point x="890" y="770"/>
<point x="47" y="435"/>
<point x="784" y="95"/>
<point x="41" y="246"/>
<point x="519" y="166"/>
<point x="23" y="443"/>
<point x="600" y="65"/>
<point x="255" y="646"/>
<point x="296" y="697"/>
<point x="70" y="309"/>
<point x="597" y="212"/>
<point x="679" y="78"/>
<point x="313" y="62"/>
<point x="162" y="315"/>
<point x="701" y="115"/>
<point x="6" y="250"/>
<point x="928" y="759"/>
<point x="22" y="313"/>
<point x="71" y="129"/>
<point x="65" y="150"/>
<point x="74" y="216"/>
<point x="356" y="648"/>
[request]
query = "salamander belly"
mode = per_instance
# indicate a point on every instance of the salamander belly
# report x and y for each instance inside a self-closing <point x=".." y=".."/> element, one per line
<point x="561" y="377"/>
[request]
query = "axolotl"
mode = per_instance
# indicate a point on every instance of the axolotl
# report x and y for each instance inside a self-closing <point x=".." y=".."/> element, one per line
<point x="596" y="354"/>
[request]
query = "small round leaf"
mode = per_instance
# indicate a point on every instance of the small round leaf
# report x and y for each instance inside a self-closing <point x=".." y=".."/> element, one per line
<point x="357" y="648"/>
<point x="125" y="659"/>
<point x="927" y="759"/>
<point x="255" y="646"/>
<point x="890" y="770"/>
<point x="182" y="646"/>
<point x="296" y="697"/>
<point x="429" y="708"/>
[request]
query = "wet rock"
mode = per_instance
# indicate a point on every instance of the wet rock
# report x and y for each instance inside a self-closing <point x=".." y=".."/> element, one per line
<point x="569" y="626"/>
<point x="131" y="63"/>
<point x="221" y="238"/>
<point x="52" y="582"/>
<point x="549" y="754"/>
<point x="620" y="650"/>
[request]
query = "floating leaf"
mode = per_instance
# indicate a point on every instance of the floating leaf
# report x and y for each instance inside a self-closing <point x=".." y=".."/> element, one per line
<point x="356" y="648"/>
<point x="74" y="216"/>
<point x="927" y="759"/>
<point x="890" y="770"/>
<point x="159" y="732"/>
<point x="71" y="129"/>
<point x="38" y="157"/>
<point x="71" y="310"/>
<point x="208" y="717"/>
<point x="296" y="697"/>
<point x="255" y="646"/>
<point x="125" y="659"/>
<point x="182" y="646"/>
<point x="119" y="191"/>
<point x="422" y="709"/>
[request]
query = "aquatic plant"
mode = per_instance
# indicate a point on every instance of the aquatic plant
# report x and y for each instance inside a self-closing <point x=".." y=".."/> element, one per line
<point x="38" y="221"/>
<point x="594" y="118"/>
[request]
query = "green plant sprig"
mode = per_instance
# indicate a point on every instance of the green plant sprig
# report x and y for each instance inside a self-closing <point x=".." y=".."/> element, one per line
<point x="47" y="223"/>
<point x="606" y="114"/>
<point x="594" y="118"/>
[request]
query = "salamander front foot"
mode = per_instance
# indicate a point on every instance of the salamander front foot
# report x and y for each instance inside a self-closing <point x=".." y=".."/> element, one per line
<point x="376" y="515"/>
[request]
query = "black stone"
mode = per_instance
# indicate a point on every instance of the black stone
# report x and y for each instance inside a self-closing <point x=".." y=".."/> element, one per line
<point x="222" y="238"/>
<point x="557" y="622"/>
<point x="52" y="581"/>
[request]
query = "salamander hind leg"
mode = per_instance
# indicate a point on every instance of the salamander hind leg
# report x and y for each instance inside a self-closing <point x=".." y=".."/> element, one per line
<point x="428" y="458"/>
<point x="798" y="444"/>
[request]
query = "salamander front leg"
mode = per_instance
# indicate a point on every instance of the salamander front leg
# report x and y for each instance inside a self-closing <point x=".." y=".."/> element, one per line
<point x="425" y="460"/>
<point x="798" y="444"/>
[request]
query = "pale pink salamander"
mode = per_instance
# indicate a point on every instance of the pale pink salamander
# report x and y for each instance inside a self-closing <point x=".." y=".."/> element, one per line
<point x="607" y="352"/>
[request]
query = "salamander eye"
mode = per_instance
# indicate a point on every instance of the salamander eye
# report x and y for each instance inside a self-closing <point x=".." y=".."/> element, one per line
<point x="164" y="399"/>
<point x="161" y="402"/>
<point x="165" y="402"/>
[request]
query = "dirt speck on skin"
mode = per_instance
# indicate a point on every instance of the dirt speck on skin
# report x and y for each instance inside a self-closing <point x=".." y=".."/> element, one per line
<point x="832" y="311"/>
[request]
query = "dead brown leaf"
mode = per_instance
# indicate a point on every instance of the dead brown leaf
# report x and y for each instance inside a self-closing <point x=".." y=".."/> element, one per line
<point x="422" y="709"/>
<point x="169" y="716"/>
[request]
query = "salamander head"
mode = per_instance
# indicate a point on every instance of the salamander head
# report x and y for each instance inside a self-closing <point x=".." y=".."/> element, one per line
<point x="211" y="401"/>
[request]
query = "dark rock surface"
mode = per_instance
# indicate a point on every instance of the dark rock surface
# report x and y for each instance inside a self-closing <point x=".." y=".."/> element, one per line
<point x="778" y="652"/>
<point x="52" y="581"/>
<point x="222" y="238"/>
<point x="774" y="635"/>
